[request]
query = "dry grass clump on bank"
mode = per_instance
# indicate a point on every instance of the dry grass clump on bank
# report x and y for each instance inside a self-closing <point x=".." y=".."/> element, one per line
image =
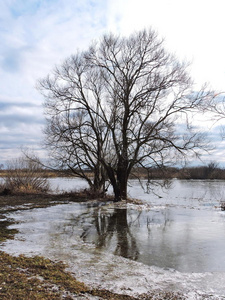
<point x="5" y="232"/>
<point x="25" y="176"/>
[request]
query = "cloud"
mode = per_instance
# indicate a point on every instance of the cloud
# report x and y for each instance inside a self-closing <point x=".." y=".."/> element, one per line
<point x="13" y="114"/>
<point x="35" y="35"/>
<point x="193" y="30"/>
<point x="38" y="34"/>
<point x="21" y="124"/>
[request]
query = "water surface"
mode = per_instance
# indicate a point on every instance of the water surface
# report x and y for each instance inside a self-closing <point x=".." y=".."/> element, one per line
<point x="176" y="240"/>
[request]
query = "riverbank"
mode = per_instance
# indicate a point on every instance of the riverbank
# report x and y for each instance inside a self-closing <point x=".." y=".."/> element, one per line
<point x="40" y="278"/>
<point x="12" y="203"/>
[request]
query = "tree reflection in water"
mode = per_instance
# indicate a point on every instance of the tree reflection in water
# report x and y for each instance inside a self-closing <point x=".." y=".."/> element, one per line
<point x="111" y="231"/>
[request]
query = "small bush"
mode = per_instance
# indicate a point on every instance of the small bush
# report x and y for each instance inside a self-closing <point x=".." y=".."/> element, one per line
<point x="2" y="187"/>
<point x="25" y="176"/>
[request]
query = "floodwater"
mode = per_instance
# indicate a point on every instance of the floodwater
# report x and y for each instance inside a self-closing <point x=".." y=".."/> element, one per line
<point x="174" y="241"/>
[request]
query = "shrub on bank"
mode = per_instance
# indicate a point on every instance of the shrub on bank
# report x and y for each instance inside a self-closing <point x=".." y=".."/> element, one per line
<point x="25" y="176"/>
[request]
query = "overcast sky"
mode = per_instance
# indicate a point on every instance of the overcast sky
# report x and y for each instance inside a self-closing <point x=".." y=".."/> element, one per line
<point x="36" y="35"/>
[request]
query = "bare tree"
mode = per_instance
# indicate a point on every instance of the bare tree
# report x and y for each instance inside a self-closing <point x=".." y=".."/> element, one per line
<point x="123" y="103"/>
<point x="74" y="143"/>
<point x="214" y="110"/>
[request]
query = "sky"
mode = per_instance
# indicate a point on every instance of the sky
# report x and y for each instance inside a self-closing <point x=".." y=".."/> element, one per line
<point x="36" y="35"/>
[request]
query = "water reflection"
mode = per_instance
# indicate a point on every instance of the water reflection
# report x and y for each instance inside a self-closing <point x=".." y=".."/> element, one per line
<point x="182" y="239"/>
<point x="114" y="226"/>
<point x="85" y="236"/>
<point x="184" y="230"/>
<point x="110" y="230"/>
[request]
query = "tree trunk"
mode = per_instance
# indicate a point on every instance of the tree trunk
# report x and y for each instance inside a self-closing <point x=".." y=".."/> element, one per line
<point x="123" y="186"/>
<point x="119" y="183"/>
<point x="114" y="183"/>
<point x="99" y="181"/>
<point x="120" y="186"/>
<point x="117" y="193"/>
<point x="122" y="178"/>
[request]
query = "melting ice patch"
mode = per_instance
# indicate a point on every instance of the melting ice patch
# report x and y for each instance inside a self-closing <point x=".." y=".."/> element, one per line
<point x="95" y="242"/>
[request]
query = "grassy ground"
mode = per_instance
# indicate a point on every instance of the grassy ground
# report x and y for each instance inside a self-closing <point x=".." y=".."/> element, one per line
<point x="31" y="278"/>
<point x="39" y="278"/>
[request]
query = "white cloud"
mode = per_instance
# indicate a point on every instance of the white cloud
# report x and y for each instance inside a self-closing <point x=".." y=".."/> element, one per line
<point x="36" y="34"/>
<point x="193" y="30"/>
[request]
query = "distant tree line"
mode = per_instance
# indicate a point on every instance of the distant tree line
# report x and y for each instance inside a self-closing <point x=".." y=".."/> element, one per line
<point x="209" y="171"/>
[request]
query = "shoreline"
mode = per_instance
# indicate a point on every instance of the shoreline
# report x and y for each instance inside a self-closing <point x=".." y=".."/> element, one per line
<point x="16" y="272"/>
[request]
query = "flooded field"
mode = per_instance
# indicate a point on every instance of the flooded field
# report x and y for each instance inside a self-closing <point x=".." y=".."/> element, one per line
<point x="174" y="241"/>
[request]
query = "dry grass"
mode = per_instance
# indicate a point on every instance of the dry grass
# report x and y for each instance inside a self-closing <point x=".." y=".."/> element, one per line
<point x="36" y="278"/>
<point x="40" y="278"/>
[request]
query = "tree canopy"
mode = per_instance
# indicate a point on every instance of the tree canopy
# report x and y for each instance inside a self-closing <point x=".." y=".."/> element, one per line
<point x="122" y="104"/>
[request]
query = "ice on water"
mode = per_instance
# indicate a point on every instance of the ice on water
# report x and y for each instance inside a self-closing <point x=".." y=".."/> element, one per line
<point x="173" y="242"/>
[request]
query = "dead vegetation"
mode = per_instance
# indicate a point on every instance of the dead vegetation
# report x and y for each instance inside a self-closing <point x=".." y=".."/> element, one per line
<point x="40" y="278"/>
<point x="25" y="176"/>
<point x="35" y="278"/>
